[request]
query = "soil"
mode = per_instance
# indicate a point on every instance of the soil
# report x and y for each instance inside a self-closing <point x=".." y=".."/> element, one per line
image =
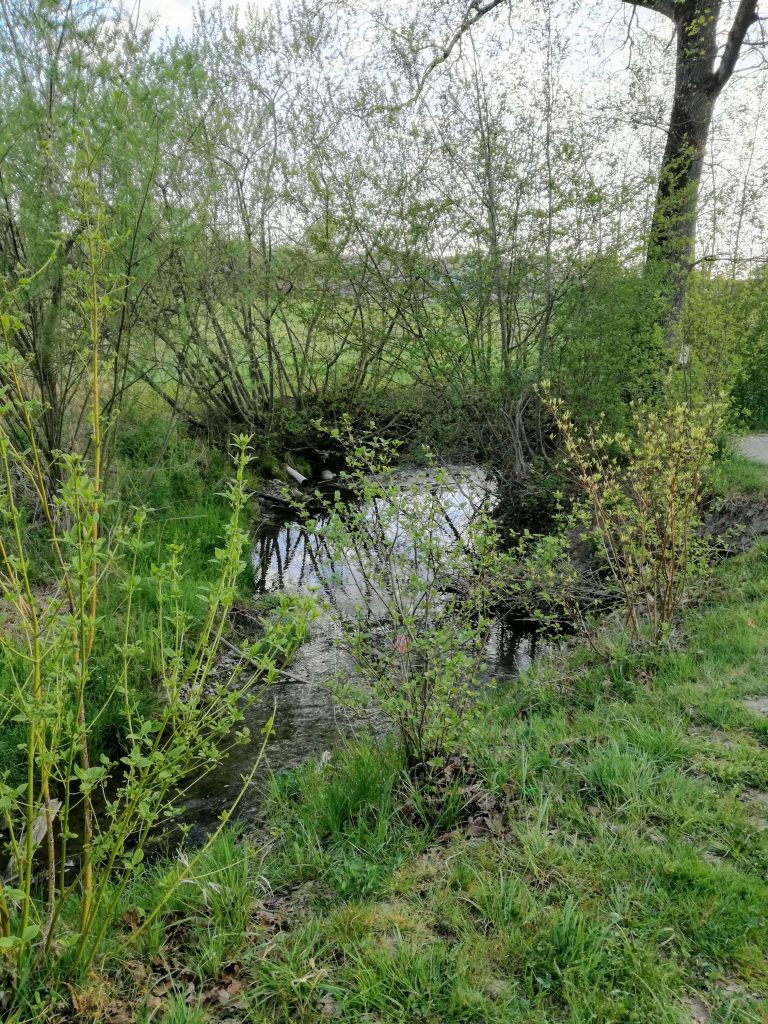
<point x="757" y="705"/>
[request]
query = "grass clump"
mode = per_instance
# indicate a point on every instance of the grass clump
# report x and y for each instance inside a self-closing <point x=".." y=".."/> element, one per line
<point x="733" y="473"/>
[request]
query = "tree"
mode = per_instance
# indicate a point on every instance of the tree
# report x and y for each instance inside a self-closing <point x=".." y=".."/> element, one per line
<point x="702" y="70"/>
<point x="81" y="139"/>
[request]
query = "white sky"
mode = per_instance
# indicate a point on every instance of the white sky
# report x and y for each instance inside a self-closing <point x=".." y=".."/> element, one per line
<point x="177" y="15"/>
<point x="596" y="65"/>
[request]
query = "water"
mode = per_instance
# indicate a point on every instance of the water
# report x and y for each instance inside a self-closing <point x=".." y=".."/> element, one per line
<point x="287" y="559"/>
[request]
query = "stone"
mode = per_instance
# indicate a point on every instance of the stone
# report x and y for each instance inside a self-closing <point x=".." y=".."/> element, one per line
<point x="758" y="705"/>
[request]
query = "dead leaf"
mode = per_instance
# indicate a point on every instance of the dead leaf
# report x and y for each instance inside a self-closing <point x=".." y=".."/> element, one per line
<point x="119" y="1013"/>
<point x="229" y="985"/>
<point x="235" y="988"/>
<point x="131" y="920"/>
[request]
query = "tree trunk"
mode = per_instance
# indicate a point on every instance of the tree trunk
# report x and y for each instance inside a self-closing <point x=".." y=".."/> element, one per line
<point x="673" y="229"/>
<point x="699" y="80"/>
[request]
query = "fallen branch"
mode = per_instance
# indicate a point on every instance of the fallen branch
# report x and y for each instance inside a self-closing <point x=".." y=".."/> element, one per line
<point x="276" y="499"/>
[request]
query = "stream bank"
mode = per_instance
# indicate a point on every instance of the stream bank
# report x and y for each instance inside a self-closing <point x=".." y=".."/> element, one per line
<point x="613" y="869"/>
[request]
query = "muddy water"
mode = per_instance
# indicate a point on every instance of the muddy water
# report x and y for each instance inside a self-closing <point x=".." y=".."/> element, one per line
<point x="286" y="559"/>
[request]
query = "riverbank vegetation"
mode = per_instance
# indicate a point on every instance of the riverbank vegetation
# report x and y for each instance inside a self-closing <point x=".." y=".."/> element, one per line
<point x="244" y="272"/>
<point x="597" y="854"/>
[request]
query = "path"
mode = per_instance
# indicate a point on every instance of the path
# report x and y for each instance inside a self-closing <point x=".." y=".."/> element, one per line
<point x="755" y="447"/>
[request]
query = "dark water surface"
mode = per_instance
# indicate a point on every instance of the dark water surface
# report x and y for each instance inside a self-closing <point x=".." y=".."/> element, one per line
<point x="308" y="722"/>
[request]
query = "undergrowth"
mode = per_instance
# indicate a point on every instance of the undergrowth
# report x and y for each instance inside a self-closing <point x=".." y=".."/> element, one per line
<point x="617" y="872"/>
<point x="180" y="483"/>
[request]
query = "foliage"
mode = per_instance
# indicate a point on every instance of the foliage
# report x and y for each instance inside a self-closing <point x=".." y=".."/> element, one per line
<point x="715" y="339"/>
<point x="83" y="132"/>
<point x="263" y="271"/>
<point x="424" y="572"/>
<point x="626" y="884"/>
<point x="423" y="566"/>
<point x="642" y="495"/>
<point x="750" y="393"/>
<point x="68" y="805"/>
<point x="608" y="349"/>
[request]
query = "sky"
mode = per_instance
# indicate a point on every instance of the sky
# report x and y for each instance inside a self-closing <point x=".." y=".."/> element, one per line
<point x="177" y="15"/>
<point x="602" y="66"/>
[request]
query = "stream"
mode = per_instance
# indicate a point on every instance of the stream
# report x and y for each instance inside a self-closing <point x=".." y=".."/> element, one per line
<point x="308" y="722"/>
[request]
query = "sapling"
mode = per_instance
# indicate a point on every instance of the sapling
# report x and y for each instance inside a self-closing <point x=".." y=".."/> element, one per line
<point x="425" y="571"/>
<point x="641" y="503"/>
<point x="76" y="827"/>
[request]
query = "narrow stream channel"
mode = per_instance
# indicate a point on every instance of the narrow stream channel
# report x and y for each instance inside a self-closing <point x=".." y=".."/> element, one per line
<point x="288" y="559"/>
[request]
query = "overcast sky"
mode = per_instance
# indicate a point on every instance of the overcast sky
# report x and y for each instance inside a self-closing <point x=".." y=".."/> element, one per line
<point x="176" y="15"/>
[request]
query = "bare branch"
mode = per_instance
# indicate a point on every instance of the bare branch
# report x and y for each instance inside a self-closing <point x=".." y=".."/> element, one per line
<point x="746" y="16"/>
<point x="665" y="7"/>
<point x="476" y="10"/>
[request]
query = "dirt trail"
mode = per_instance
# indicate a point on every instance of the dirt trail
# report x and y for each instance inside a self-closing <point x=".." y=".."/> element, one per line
<point x="755" y="447"/>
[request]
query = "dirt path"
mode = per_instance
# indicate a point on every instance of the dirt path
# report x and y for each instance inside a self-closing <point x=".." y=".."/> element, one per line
<point x="755" y="447"/>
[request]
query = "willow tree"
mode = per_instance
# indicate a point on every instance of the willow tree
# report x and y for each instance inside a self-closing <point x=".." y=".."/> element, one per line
<point x="703" y="67"/>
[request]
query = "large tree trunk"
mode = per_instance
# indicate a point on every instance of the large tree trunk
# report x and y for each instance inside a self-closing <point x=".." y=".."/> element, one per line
<point x="699" y="79"/>
<point x="673" y="229"/>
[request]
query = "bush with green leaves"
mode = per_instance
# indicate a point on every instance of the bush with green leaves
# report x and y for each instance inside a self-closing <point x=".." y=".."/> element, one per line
<point x="425" y="573"/>
<point x="641" y="504"/>
<point x="75" y="826"/>
<point x="607" y="346"/>
<point x="419" y="616"/>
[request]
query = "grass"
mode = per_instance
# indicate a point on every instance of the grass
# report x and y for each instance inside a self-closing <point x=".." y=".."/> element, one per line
<point x="618" y="875"/>
<point x="736" y="474"/>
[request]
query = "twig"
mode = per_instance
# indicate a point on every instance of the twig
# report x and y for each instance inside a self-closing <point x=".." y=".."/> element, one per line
<point x="475" y="12"/>
<point x="259" y="667"/>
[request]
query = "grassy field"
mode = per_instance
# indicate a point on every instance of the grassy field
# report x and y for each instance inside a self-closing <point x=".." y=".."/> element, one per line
<point x="599" y="855"/>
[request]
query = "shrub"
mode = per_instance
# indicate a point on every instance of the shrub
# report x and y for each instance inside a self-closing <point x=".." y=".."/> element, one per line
<point x="607" y="347"/>
<point x="52" y="652"/>
<point x="422" y="587"/>
<point x="641" y="504"/>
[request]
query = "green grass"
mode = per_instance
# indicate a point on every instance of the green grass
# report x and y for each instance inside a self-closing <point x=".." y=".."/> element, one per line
<point x="735" y="474"/>
<point x="618" y="875"/>
<point x="625" y="877"/>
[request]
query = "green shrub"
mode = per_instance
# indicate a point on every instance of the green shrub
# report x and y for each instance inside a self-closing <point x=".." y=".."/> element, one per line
<point x="642" y="497"/>
<point x="53" y="650"/>
<point x="419" y="616"/>
<point x="607" y="349"/>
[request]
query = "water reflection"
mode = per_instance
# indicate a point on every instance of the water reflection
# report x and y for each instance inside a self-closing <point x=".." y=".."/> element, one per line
<point x="289" y="559"/>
